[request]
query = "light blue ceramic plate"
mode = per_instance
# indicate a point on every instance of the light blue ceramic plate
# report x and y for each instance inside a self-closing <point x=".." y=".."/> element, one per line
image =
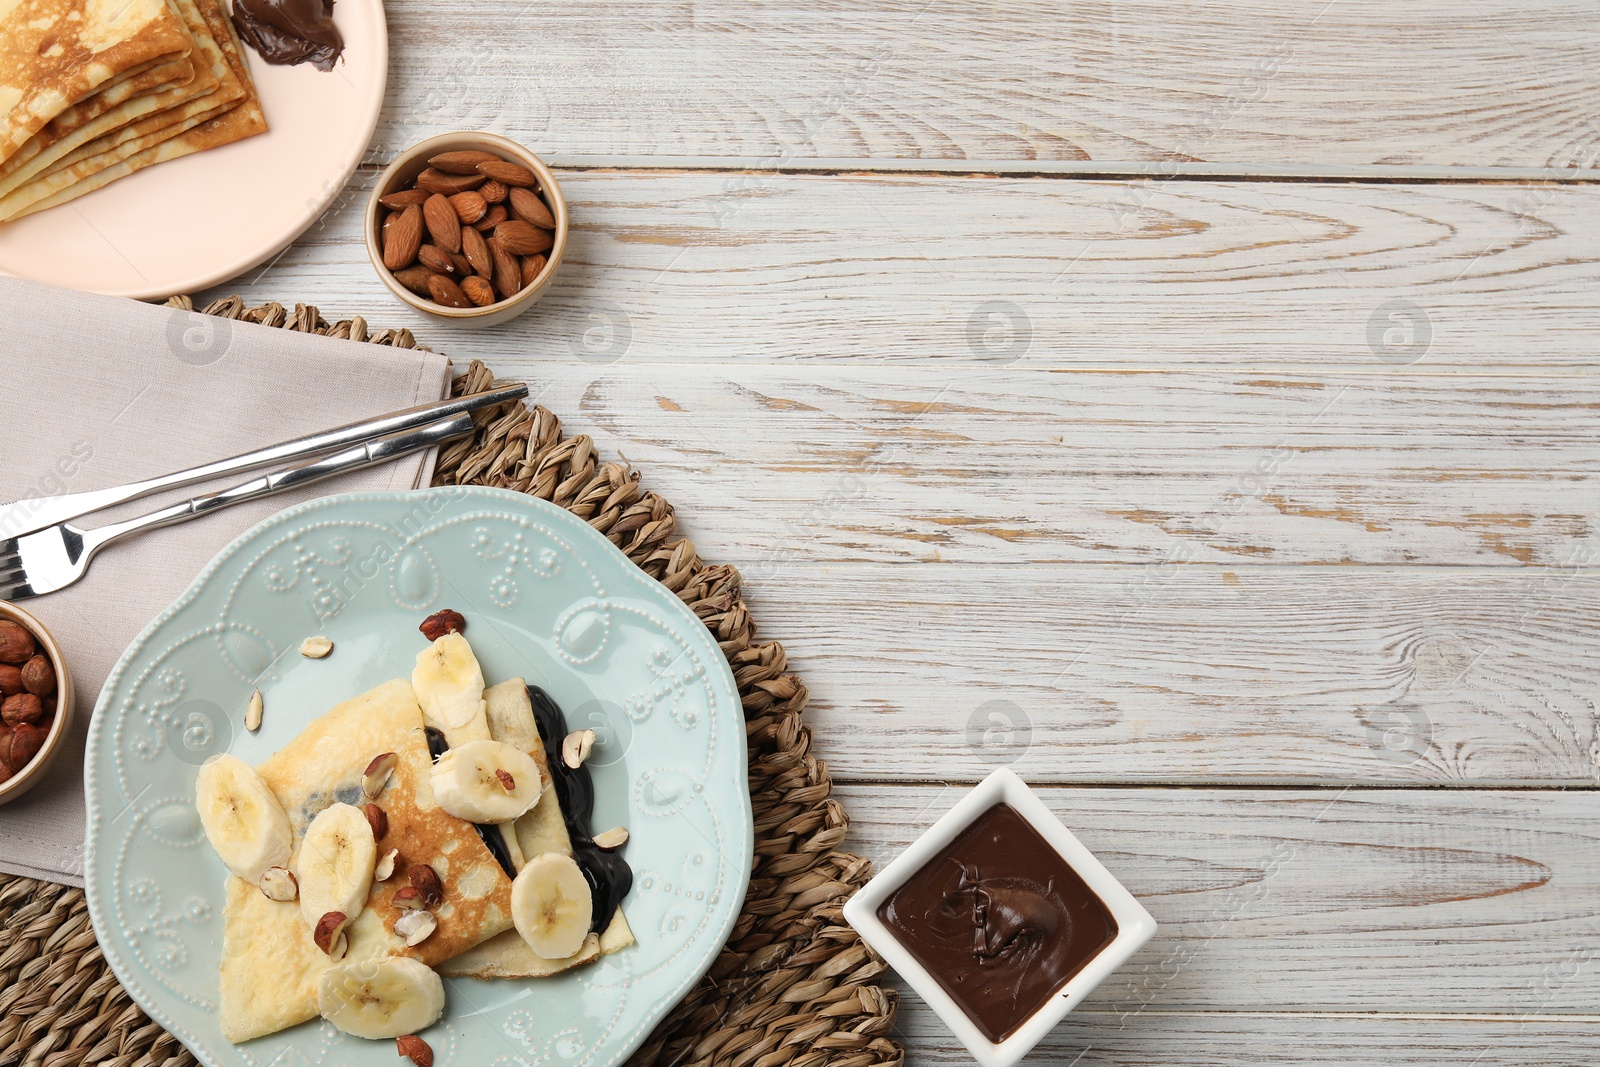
<point x="547" y="598"/>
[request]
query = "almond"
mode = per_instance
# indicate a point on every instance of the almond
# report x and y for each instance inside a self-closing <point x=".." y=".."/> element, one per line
<point x="401" y="199"/>
<point x="470" y="206"/>
<point x="506" y="173"/>
<point x="443" y="226"/>
<point x="507" y="272"/>
<point x="497" y="214"/>
<point x="415" y="279"/>
<point x="460" y="162"/>
<point x="446" y="292"/>
<point x="532" y="267"/>
<point x="527" y="206"/>
<point x="435" y="181"/>
<point x="436" y="260"/>
<point x="522" y="239"/>
<point x="403" y="239"/>
<point x="462" y="263"/>
<point x="477" y="253"/>
<point x="478" y="290"/>
<point x="492" y="191"/>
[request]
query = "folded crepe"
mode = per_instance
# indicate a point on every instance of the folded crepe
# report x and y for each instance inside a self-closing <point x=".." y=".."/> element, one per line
<point x="270" y="965"/>
<point x="54" y="53"/>
<point x="160" y="112"/>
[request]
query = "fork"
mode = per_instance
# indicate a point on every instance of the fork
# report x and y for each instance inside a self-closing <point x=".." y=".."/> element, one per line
<point x="53" y="558"/>
<point x="36" y="513"/>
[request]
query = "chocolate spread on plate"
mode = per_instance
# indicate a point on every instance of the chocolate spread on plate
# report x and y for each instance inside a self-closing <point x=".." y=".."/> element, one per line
<point x="290" y="31"/>
<point x="1000" y="920"/>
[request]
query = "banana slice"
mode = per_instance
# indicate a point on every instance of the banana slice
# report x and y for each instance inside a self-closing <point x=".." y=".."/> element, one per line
<point x="334" y="867"/>
<point x="552" y="906"/>
<point x="378" y="998"/>
<point x="243" y="820"/>
<point x="449" y="687"/>
<point x="486" y="782"/>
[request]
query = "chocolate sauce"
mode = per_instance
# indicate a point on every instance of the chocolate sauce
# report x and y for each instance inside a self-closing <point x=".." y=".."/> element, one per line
<point x="490" y="835"/>
<point x="286" y="32"/>
<point x="1000" y="920"/>
<point x="608" y="874"/>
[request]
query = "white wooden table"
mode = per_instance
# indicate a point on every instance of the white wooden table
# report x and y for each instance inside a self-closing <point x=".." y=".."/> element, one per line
<point x="1192" y="405"/>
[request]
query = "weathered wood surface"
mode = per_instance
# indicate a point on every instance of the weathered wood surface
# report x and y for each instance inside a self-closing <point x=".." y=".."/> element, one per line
<point x="1193" y="494"/>
<point x="1243" y="83"/>
<point x="1035" y="273"/>
<point x="1013" y="465"/>
<point x="1228" y="1039"/>
<point x="1415" y="901"/>
<point x="1426" y="676"/>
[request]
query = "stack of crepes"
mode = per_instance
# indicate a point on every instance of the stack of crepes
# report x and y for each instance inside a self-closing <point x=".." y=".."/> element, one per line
<point x="94" y="90"/>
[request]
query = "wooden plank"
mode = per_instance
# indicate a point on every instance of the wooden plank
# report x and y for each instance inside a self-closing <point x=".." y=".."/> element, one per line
<point x="1014" y="465"/>
<point x="1028" y="272"/>
<point x="1228" y="1039"/>
<point x="1427" y="676"/>
<point x="1240" y="82"/>
<point x="1326" y="900"/>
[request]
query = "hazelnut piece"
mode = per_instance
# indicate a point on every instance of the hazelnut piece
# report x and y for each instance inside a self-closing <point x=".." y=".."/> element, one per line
<point x="22" y="708"/>
<point x="425" y="880"/>
<point x="10" y="680"/>
<point x="16" y="643"/>
<point x="443" y="622"/>
<point x="329" y="934"/>
<point x="378" y="819"/>
<point x="38" y="676"/>
<point x="415" y="1049"/>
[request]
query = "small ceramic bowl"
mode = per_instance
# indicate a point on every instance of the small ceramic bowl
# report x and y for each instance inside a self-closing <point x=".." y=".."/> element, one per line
<point x="408" y="164"/>
<point x="1134" y="924"/>
<point x="35" y="772"/>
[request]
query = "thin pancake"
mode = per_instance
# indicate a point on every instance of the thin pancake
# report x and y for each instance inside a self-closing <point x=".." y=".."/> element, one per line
<point x="54" y="53"/>
<point x="98" y="114"/>
<point x="215" y="88"/>
<point x="541" y="829"/>
<point x="269" y="965"/>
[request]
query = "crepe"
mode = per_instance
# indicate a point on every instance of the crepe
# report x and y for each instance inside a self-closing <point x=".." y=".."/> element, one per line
<point x="270" y="965"/>
<point x="228" y="111"/>
<point x="54" y="53"/>
<point x="541" y="829"/>
<point x="99" y="113"/>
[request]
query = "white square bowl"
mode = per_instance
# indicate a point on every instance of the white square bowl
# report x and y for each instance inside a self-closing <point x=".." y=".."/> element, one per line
<point x="1134" y="924"/>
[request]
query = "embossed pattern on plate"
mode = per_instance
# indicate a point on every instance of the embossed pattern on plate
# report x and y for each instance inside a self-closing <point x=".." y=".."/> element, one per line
<point x="547" y="598"/>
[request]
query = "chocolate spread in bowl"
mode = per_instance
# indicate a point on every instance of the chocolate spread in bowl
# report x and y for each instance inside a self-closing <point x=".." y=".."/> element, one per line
<point x="290" y="31"/>
<point x="1000" y="920"/>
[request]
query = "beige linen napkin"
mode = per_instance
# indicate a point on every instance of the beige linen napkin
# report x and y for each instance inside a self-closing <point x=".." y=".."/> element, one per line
<point x="100" y="391"/>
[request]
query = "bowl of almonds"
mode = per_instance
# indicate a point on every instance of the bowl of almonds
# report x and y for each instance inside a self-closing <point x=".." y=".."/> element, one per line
<point x="35" y="701"/>
<point x="467" y="227"/>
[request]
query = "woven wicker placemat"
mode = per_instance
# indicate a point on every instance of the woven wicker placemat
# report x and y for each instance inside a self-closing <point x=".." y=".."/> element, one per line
<point x="793" y="987"/>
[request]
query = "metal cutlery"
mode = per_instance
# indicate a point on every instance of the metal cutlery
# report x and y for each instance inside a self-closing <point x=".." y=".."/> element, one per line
<point x="26" y="516"/>
<point x="53" y="558"/>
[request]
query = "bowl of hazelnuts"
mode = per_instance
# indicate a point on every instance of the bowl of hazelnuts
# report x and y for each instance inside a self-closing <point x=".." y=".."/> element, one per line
<point x="467" y="227"/>
<point x="35" y="701"/>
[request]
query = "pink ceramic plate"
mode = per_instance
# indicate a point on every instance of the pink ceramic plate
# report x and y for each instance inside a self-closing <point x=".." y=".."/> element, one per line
<point x="193" y="222"/>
